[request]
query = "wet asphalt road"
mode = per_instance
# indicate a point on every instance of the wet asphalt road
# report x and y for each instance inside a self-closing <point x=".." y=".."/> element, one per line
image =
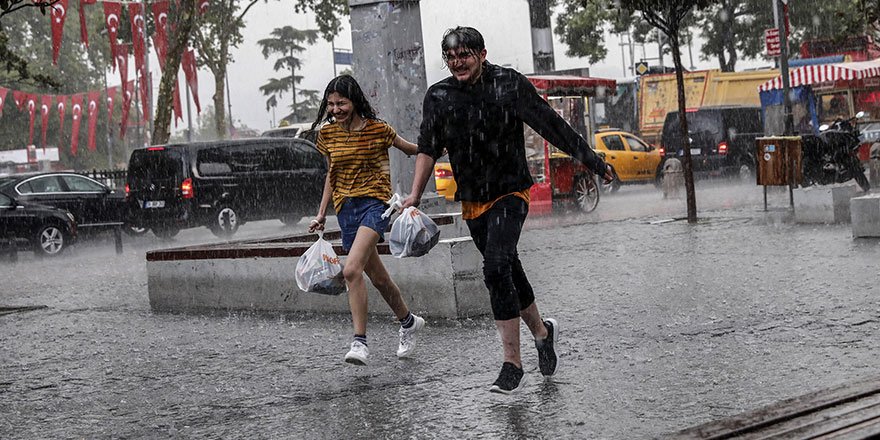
<point x="664" y="326"/>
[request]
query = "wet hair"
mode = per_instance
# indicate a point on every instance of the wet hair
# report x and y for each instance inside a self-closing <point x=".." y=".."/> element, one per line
<point x="348" y="88"/>
<point x="463" y="37"/>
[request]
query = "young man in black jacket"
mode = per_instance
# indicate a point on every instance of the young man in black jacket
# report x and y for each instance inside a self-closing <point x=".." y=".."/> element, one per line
<point x="477" y="115"/>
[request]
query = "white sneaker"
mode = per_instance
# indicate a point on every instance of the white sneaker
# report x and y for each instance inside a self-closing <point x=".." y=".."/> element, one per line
<point x="358" y="354"/>
<point x="408" y="337"/>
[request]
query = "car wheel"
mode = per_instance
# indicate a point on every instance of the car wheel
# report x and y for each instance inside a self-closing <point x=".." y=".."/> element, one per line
<point x="50" y="241"/>
<point x="165" y="232"/>
<point x="290" y="220"/>
<point x="586" y="193"/>
<point x="225" y="222"/>
<point x="745" y="172"/>
<point x="134" y="230"/>
<point x="612" y="186"/>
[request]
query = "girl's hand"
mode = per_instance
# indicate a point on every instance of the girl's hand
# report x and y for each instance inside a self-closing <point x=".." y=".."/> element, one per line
<point x="317" y="224"/>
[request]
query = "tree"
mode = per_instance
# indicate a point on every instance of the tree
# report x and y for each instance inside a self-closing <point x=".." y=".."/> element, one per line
<point x="286" y="42"/>
<point x="10" y="6"/>
<point x="668" y="16"/>
<point x="184" y="14"/>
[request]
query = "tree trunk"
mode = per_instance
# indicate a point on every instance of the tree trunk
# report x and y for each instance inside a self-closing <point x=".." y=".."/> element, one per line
<point x="219" y="96"/>
<point x="179" y="40"/>
<point x="685" y="138"/>
<point x="293" y="87"/>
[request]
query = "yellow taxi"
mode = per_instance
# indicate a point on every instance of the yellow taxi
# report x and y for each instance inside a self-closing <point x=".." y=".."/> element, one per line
<point x="443" y="179"/>
<point x="631" y="159"/>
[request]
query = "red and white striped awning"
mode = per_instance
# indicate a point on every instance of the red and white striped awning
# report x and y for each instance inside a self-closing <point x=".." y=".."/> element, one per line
<point x="824" y="73"/>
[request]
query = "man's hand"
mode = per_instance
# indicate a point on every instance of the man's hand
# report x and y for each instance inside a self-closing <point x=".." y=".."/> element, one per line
<point x="317" y="224"/>
<point x="411" y="200"/>
<point x="609" y="174"/>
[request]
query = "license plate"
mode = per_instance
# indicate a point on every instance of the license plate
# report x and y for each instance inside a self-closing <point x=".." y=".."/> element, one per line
<point x="154" y="204"/>
<point x="695" y="151"/>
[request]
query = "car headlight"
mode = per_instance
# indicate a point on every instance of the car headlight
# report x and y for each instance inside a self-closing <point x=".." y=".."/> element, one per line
<point x="70" y="216"/>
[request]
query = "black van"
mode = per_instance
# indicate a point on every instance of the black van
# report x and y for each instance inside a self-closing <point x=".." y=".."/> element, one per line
<point x="722" y="139"/>
<point x="223" y="184"/>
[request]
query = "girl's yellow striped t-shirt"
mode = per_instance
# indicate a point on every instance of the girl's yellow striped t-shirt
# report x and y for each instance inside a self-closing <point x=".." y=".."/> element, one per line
<point x="359" y="163"/>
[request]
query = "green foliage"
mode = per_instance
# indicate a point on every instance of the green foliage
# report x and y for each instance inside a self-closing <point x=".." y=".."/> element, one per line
<point x="328" y="14"/>
<point x="287" y="42"/>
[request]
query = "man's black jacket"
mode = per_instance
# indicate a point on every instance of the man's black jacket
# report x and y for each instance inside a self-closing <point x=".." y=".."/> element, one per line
<point x="481" y="126"/>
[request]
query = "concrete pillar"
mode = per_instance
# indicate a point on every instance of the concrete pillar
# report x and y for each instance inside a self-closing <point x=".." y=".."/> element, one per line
<point x="388" y="60"/>
<point x="542" y="36"/>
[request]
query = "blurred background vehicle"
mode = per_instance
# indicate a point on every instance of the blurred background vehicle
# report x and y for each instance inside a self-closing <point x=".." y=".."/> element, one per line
<point x="46" y="230"/>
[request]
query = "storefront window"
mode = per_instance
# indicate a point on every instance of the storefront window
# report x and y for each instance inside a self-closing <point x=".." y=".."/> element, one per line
<point x="833" y="106"/>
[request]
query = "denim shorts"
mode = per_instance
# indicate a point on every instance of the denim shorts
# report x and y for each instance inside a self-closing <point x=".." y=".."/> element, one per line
<point x="361" y="211"/>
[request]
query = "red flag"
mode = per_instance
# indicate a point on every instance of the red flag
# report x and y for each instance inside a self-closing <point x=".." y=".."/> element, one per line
<point x="127" y="94"/>
<point x="93" y="97"/>
<point x="83" y="32"/>
<point x="76" y="102"/>
<point x="60" y="105"/>
<point x="3" y="91"/>
<point x="20" y="98"/>
<point x="178" y="113"/>
<point x="192" y="76"/>
<point x="112" y="12"/>
<point x="121" y="56"/>
<point x="57" y="17"/>
<point x="45" y="105"/>
<point x="111" y="99"/>
<point x="32" y="111"/>
<point x="137" y="35"/>
<point x="160" y="38"/>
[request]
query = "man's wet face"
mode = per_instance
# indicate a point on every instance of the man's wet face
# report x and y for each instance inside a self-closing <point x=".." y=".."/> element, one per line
<point x="465" y="64"/>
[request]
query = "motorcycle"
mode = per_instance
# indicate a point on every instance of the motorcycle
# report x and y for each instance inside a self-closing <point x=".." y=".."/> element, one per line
<point x="831" y="157"/>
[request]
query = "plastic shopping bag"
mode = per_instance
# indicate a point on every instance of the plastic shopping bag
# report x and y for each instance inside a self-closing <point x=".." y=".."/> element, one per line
<point x="319" y="269"/>
<point x="413" y="234"/>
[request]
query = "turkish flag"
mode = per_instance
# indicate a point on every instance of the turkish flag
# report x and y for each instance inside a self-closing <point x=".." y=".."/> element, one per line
<point x="94" y="98"/>
<point x="127" y="94"/>
<point x="121" y="56"/>
<point x="45" y="105"/>
<point x="57" y="17"/>
<point x="32" y="111"/>
<point x="83" y="32"/>
<point x="60" y="105"/>
<point x="112" y="12"/>
<point x="137" y="35"/>
<point x="111" y="99"/>
<point x="3" y="91"/>
<point x="76" y="103"/>
<point x="192" y="76"/>
<point x="203" y="6"/>
<point x="20" y="98"/>
<point x="160" y="38"/>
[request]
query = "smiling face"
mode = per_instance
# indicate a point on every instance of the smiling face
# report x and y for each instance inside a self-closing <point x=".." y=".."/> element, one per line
<point x="342" y="109"/>
<point x="466" y="65"/>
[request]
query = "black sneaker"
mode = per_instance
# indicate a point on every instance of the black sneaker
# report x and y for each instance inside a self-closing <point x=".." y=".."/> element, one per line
<point x="547" y="359"/>
<point x="510" y="380"/>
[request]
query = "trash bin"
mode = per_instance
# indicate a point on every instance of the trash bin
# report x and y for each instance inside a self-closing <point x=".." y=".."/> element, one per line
<point x="779" y="160"/>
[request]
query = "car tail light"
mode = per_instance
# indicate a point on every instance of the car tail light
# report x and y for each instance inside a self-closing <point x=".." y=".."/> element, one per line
<point x="442" y="173"/>
<point x="186" y="189"/>
<point x="662" y="151"/>
<point x="127" y="191"/>
<point x="722" y="148"/>
<point x="155" y="148"/>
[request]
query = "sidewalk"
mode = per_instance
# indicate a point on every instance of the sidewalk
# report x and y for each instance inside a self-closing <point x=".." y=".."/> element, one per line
<point x="664" y="326"/>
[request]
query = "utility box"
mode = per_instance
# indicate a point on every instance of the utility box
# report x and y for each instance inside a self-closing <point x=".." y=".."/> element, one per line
<point x="779" y="160"/>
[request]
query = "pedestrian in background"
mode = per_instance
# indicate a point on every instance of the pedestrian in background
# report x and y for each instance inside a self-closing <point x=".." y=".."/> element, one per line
<point x="358" y="182"/>
<point x="477" y="114"/>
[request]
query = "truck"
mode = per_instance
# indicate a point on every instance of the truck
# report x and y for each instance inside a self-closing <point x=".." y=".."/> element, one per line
<point x="658" y="94"/>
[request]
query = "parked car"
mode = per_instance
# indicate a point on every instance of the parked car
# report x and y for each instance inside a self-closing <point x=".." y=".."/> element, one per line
<point x="632" y="160"/>
<point x="722" y="139"/>
<point x="223" y="184"/>
<point x="94" y="206"/>
<point x="48" y="231"/>
<point x="302" y="130"/>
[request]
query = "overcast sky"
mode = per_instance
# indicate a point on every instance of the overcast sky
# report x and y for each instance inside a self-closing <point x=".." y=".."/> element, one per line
<point x="503" y="23"/>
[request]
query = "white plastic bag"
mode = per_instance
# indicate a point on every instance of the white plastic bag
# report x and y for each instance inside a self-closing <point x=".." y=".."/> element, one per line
<point x="413" y="234"/>
<point x="319" y="269"/>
